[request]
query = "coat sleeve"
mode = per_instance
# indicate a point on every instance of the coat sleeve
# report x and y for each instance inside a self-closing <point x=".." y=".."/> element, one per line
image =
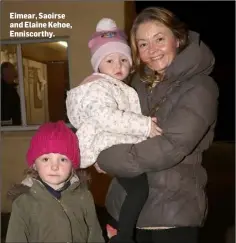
<point x="103" y="109"/>
<point x="94" y="228"/>
<point x="185" y="127"/>
<point x="17" y="228"/>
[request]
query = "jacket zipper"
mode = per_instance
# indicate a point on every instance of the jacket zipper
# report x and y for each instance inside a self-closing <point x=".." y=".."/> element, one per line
<point x="67" y="218"/>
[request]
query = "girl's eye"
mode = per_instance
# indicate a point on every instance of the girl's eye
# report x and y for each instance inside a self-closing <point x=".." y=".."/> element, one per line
<point x="45" y="159"/>
<point x="124" y="60"/>
<point x="109" y="61"/>
<point x="64" y="159"/>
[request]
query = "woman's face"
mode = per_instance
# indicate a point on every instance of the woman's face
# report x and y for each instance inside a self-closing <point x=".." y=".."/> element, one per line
<point x="157" y="45"/>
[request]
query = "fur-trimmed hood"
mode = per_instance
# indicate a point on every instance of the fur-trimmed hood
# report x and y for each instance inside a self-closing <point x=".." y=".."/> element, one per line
<point x="80" y="177"/>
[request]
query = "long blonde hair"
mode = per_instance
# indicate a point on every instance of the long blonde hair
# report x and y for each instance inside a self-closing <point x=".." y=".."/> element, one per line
<point x="167" y="18"/>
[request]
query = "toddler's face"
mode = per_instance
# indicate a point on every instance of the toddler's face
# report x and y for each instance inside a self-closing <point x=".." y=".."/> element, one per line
<point x="54" y="169"/>
<point x="115" y="65"/>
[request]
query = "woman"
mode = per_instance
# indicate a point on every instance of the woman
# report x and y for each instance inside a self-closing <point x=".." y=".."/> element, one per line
<point x="172" y="80"/>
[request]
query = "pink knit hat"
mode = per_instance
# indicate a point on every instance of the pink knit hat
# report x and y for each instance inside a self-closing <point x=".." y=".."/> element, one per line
<point x="54" y="138"/>
<point x="106" y="40"/>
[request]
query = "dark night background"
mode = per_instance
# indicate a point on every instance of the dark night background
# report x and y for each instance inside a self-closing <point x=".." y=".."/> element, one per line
<point x="215" y="21"/>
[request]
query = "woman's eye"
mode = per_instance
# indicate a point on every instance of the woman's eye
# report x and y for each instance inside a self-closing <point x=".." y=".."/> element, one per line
<point x="109" y="61"/>
<point x="64" y="159"/>
<point x="45" y="159"/>
<point x="160" y="39"/>
<point x="142" y="45"/>
<point x="124" y="60"/>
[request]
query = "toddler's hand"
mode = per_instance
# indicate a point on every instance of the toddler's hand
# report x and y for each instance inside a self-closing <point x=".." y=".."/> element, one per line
<point x="98" y="169"/>
<point x="155" y="130"/>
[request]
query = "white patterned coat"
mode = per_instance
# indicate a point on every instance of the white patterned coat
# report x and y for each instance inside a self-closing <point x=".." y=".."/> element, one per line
<point x="105" y="112"/>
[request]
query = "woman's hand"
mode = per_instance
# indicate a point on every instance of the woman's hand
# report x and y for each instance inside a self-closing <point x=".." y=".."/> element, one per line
<point x="155" y="130"/>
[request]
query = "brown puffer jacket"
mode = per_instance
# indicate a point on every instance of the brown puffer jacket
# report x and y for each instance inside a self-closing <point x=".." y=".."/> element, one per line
<point x="187" y="115"/>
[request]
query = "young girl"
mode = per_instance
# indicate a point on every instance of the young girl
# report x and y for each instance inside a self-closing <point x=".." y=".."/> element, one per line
<point x="106" y="111"/>
<point x="53" y="204"/>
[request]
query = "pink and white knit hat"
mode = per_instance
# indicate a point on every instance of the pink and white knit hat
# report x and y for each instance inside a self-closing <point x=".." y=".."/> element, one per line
<point x="54" y="138"/>
<point x="106" y="40"/>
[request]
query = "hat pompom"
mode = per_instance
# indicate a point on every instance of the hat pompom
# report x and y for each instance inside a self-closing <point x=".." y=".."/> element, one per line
<point x="106" y="24"/>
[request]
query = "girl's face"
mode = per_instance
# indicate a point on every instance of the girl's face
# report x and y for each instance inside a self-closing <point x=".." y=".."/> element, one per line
<point x="54" y="169"/>
<point x="115" y="65"/>
<point x="157" y="45"/>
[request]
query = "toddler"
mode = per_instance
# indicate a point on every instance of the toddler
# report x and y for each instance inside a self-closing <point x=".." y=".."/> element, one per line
<point x="106" y="111"/>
